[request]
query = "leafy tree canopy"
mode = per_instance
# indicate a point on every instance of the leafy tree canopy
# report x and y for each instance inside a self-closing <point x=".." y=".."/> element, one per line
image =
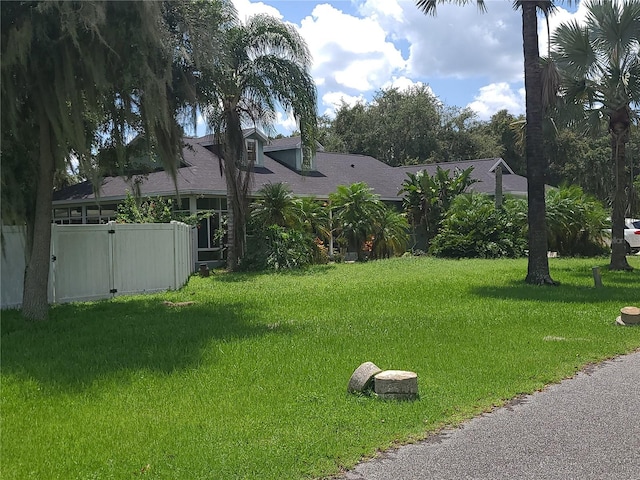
<point x="77" y="76"/>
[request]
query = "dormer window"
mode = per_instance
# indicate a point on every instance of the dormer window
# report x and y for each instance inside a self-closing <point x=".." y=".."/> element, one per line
<point x="252" y="156"/>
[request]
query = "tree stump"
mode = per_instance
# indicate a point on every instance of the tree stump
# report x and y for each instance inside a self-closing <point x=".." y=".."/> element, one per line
<point x="629" y="316"/>
<point x="362" y="377"/>
<point x="396" y="385"/>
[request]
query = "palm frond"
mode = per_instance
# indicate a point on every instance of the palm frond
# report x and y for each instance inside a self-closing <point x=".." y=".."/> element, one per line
<point x="428" y="7"/>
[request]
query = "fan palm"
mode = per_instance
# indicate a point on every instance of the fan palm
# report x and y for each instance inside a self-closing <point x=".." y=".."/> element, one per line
<point x="600" y="71"/>
<point x="266" y="64"/>
<point x="390" y="235"/>
<point x="538" y="263"/>
<point x="314" y="217"/>
<point x="275" y="206"/>
<point x="355" y="208"/>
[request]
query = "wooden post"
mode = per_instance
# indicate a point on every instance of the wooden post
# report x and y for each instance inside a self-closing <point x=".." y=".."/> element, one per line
<point x="597" y="279"/>
<point x="498" y="191"/>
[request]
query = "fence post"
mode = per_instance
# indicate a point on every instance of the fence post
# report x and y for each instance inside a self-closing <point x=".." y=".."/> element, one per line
<point x="176" y="251"/>
<point x="597" y="279"/>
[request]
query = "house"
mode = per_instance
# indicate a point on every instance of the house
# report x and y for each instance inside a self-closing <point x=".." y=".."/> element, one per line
<point x="202" y="186"/>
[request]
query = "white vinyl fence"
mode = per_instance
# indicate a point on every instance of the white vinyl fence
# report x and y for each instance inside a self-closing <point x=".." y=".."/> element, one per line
<point x="90" y="262"/>
<point x="12" y="265"/>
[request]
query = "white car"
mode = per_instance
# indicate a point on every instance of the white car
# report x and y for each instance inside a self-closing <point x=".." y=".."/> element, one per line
<point x="632" y="234"/>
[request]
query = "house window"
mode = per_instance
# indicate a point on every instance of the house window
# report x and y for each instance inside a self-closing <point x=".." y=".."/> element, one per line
<point x="251" y="152"/>
<point x="66" y="216"/>
<point x="101" y="213"/>
<point x="108" y="212"/>
<point x="208" y="204"/>
<point x="210" y="242"/>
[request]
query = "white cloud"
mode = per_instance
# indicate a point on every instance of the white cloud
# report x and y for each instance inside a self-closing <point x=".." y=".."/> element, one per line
<point x="349" y="52"/>
<point x="382" y="10"/>
<point x="403" y="84"/>
<point x="498" y="96"/>
<point x="559" y="16"/>
<point x="247" y="9"/>
<point x="332" y="100"/>
<point x="460" y="42"/>
<point x="361" y="46"/>
<point x="286" y="121"/>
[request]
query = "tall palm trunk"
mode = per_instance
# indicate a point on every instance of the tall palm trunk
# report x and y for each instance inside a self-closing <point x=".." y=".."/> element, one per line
<point x="237" y="186"/>
<point x="619" y="129"/>
<point x="234" y="210"/>
<point x="538" y="265"/>
<point x="232" y="257"/>
<point x="35" y="304"/>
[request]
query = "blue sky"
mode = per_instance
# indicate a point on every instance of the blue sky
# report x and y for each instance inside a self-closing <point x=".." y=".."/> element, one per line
<point x="362" y="46"/>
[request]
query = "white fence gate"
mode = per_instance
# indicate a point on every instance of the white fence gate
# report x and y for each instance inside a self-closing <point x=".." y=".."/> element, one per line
<point x="91" y="262"/>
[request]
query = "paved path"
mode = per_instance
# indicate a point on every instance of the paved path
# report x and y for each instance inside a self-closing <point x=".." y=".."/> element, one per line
<point x="585" y="428"/>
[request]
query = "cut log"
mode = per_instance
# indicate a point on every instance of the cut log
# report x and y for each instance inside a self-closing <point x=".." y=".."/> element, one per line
<point x="629" y="316"/>
<point x="362" y="377"/>
<point x="396" y="385"/>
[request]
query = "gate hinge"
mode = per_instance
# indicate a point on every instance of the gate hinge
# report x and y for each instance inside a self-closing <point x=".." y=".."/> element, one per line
<point x="53" y="258"/>
<point x="111" y="231"/>
<point x="113" y="290"/>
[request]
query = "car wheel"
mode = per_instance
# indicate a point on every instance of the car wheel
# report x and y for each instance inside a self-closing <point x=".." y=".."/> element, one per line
<point x="628" y="248"/>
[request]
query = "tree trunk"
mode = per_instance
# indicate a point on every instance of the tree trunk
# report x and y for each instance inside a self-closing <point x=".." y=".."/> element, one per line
<point x="233" y="160"/>
<point x="35" y="302"/>
<point x="538" y="265"/>
<point x="619" y="136"/>
<point x="232" y="258"/>
<point x="234" y="213"/>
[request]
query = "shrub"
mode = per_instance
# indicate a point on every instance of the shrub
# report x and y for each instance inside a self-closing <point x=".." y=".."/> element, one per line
<point x="149" y="210"/>
<point x="575" y="222"/>
<point x="428" y="197"/>
<point x="155" y="210"/>
<point x="279" y="248"/>
<point x="474" y="228"/>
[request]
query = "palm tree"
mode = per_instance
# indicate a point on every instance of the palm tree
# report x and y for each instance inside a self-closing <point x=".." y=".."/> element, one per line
<point x="275" y="206"/>
<point x="427" y="198"/>
<point x="355" y="207"/>
<point x="538" y="263"/>
<point x="314" y="217"/>
<point x="390" y="235"/>
<point x="266" y="64"/>
<point x="600" y="70"/>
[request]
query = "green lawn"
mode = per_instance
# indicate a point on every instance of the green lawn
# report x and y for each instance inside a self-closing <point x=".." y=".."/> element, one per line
<point x="250" y="381"/>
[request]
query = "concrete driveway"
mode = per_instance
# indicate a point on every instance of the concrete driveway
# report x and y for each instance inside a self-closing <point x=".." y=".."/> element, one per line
<point x="584" y="428"/>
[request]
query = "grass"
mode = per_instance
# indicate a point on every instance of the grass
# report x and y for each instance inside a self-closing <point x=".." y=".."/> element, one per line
<point x="250" y="381"/>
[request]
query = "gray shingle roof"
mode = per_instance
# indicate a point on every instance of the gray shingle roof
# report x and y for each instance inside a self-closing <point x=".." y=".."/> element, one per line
<point x="202" y="176"/>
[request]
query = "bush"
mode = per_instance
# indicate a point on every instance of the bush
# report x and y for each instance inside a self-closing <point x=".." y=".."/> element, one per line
<point x="149" y="210"/>
<point x="474" y="228"/>
<point x="575" y="222"/>
<point x="279" y="248"/>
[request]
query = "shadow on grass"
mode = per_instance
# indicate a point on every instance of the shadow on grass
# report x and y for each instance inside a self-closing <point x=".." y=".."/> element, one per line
<point x="85" y="342"/>
<point x="624" y="291"/>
